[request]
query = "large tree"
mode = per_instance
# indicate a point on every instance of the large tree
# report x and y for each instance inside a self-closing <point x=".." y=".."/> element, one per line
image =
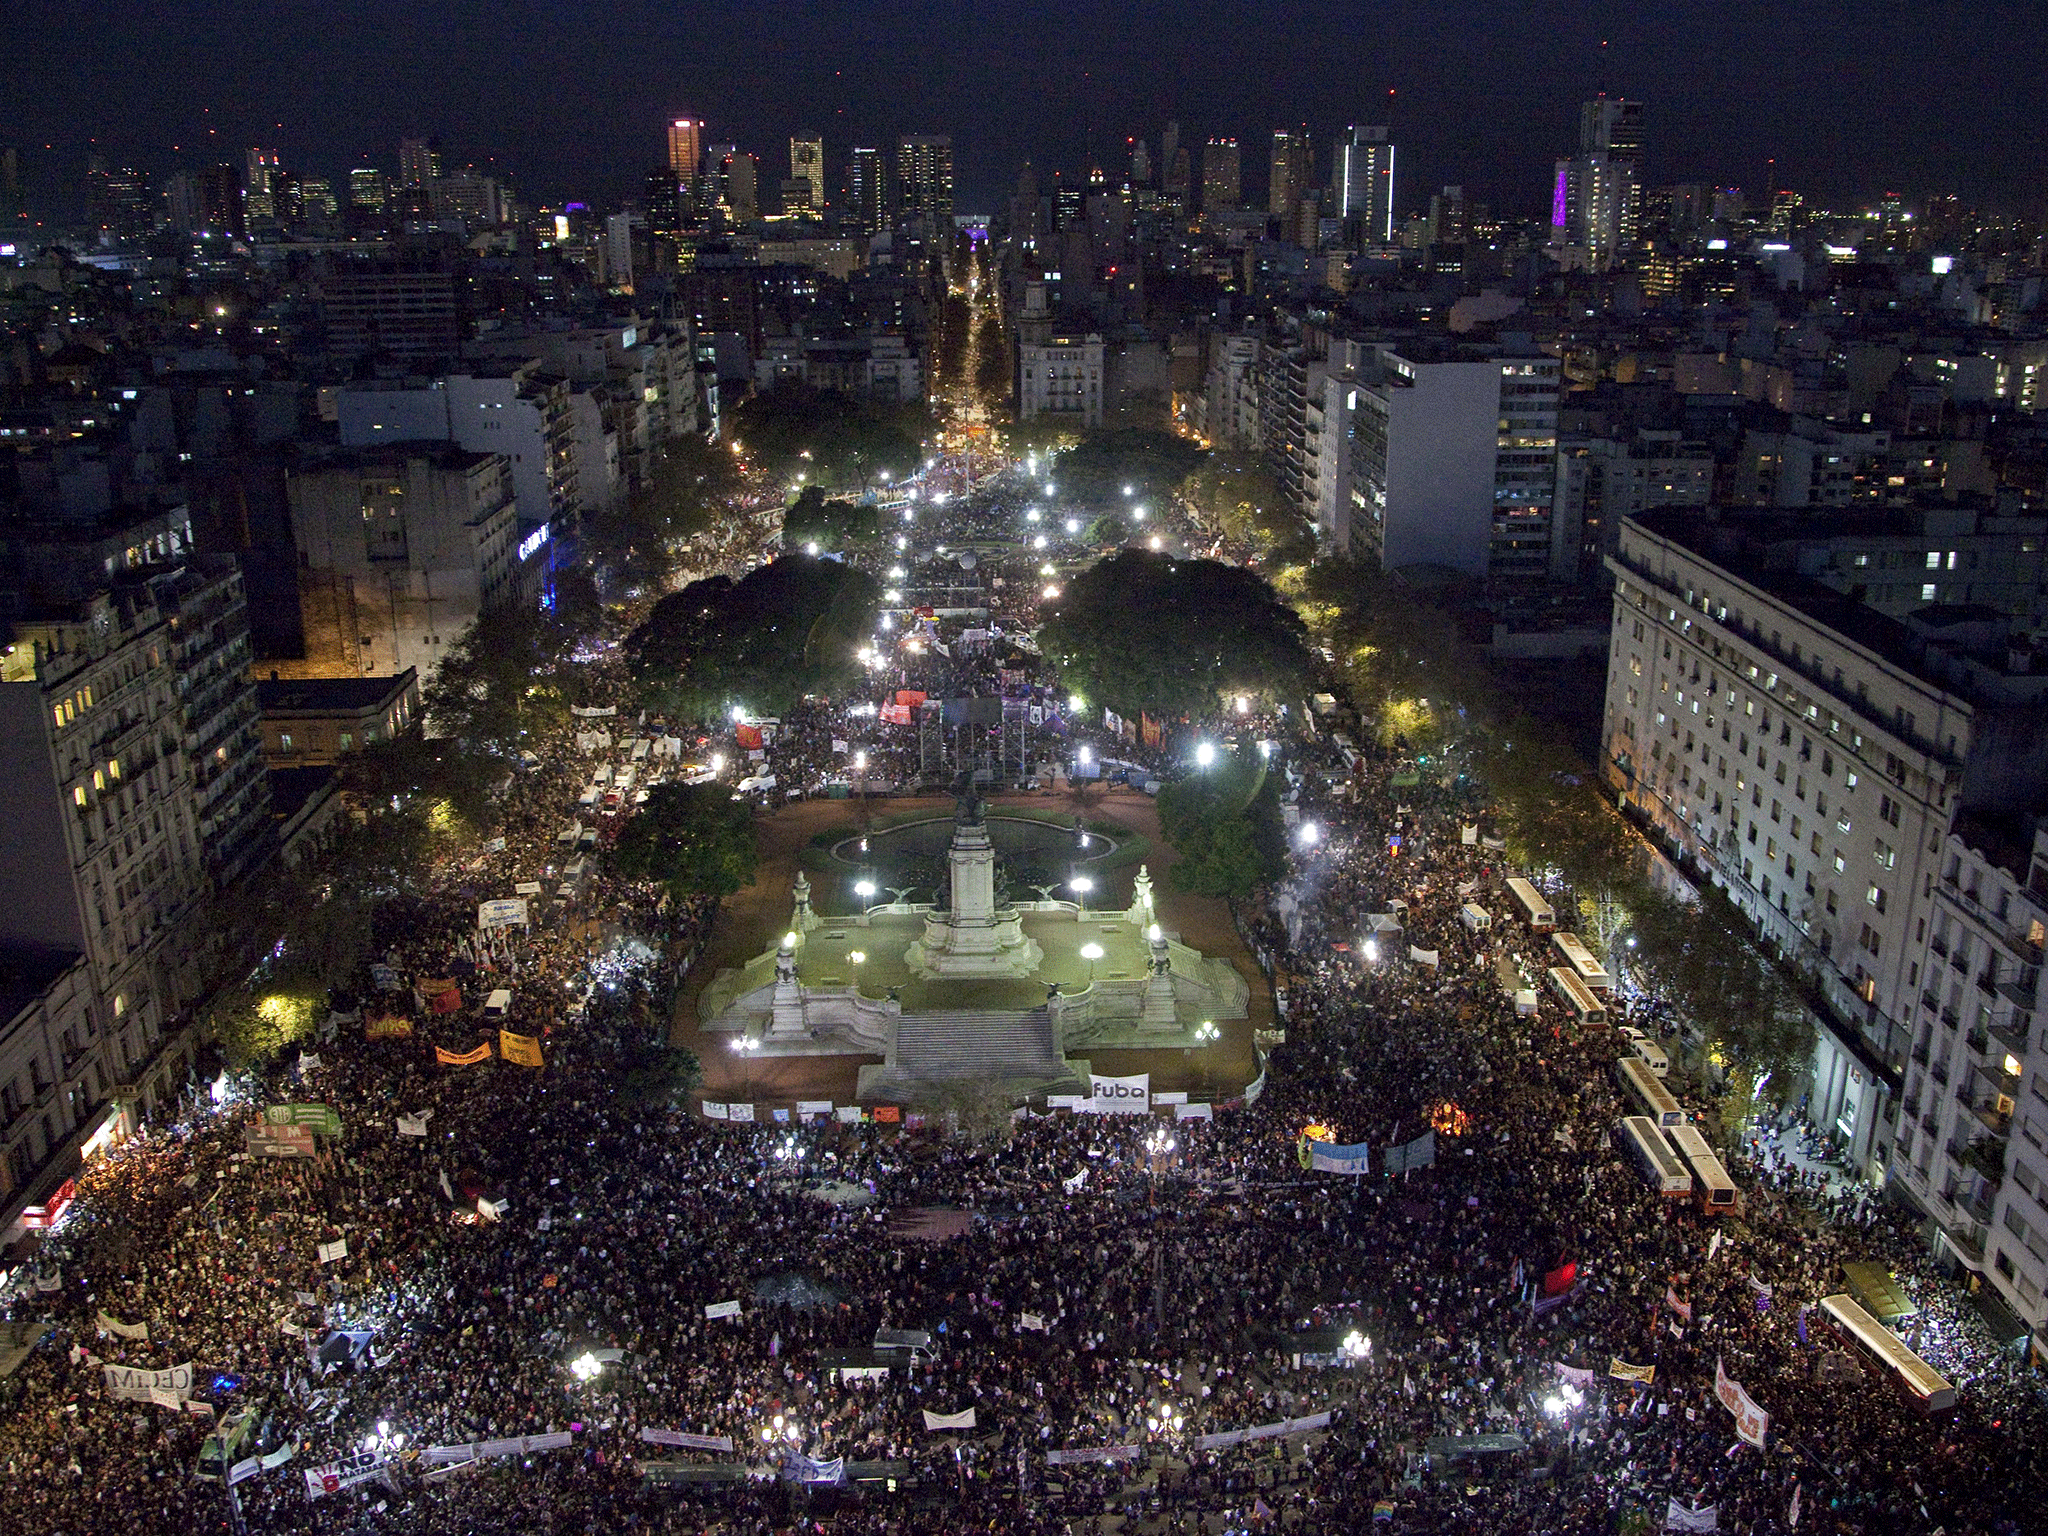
<point x="1096" y="469"/>
<point x="834" y="523"/>
<point x="829" y="439"/>
<point x="1225" y="824"/>
<point x="763" y="642"/>
<point x="1143" y="631"/>
<point x="1238" y="498"/>
<point x="503" y="683"/>
<point x="693" y="838"/>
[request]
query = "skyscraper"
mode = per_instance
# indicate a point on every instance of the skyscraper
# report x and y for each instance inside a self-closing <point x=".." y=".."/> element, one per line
<point x="218" y="191"/>
<point x="1611" y="135"/>
<point x="366" y="188"/>
<point x="259" y="189"/>
<point x="419" y="162"/>
<point x="807" y="163"/>
<point x="1292" y="163"/>
<point x="685" y="146"/>
<point x="739" y="191"/>
<point x="864" y="183"/>
<point x="1222" y="176"/>
<point x="924" y="178"/>
<point x="1362" y="181"/>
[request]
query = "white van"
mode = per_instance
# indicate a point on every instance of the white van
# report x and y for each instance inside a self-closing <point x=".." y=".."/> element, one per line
<point x="588" y="799"/>
<point x="1475" y="917"/>
<point x="1651" y="1054"/>
<point x="757" y="784"/>
<point x="498" y="1005"/>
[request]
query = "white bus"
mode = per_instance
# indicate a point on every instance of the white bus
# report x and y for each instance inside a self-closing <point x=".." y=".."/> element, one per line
<point x="1922" y="1384"/>
<point x="1654" y="1159"/>
<point x="1652" y="1097"/>
<point x="1536" y="911"/>
<point x="1584" y="1004"/>
<point x="1579" y="960"/>
<point x="1712" y="1188"/>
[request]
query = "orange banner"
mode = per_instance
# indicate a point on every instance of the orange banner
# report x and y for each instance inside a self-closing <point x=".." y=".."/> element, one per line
<point x="888" y="1114"/>
<point x="466" y="1059"/>
<point x="523" y="1049"/>
<point x="386" y="1026"/>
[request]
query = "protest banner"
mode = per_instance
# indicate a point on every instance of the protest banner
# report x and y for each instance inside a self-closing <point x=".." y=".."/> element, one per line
<point x="335" y="1251"/>
<point x="1621" y="1370"/>
<point x="128" y="1384"/>
<point x="345" y="1473"/>
<point x="718" y="1309"/>
<point x="937" y="1421"/>
<point x="686" y="1440"/>
<point x="413" y="1125"/>
<point x="505" y="912"/>
<point x="1120" y="1095"/>
<point x="1325" y="1158"/>
<point x="466" y="1058"/>
<point x="1075" y="1458"/>
<point x="744" y="1113"/>
<point x="386" y="1026"/>
<point x="523" y="1049"/>
<point x="1678" y="1518"/>
<point x="111" y="1324"/>
<point x="1752" y="1424"/>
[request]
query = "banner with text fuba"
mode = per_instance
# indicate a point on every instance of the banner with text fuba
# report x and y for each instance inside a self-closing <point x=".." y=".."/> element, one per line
<point x="1120" y="1095"/>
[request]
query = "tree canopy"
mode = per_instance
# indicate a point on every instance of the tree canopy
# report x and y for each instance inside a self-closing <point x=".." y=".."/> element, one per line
<point x="502" y="684"/>
<point x="833" y="440"/>
<point x="1144" y="631"/>
<point x="1225" y="824"/>
<point x="1152" y="463"/>
<point x="830" y="523"/>
<point x="1239" y="498"/>
<point x="785" y="630"/>
<point x="687" y="491"/>
<point x="693" y="838"/>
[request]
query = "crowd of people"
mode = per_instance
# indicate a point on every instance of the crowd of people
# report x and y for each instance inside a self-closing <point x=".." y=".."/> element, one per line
<point x="559" y="1252"/>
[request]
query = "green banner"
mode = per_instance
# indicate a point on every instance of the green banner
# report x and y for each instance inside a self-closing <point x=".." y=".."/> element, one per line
<point x="320" y="1117"/>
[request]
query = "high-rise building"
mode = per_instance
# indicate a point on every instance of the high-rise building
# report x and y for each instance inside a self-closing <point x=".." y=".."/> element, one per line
<point x="119" y="200"/>
<point x="1611" y="149"/>
<point x="1362" y="182"/>
<point x="1292" y="164"/>
<point x="739" y="188"/>
<point x="1594" y="202"/>
<point x="1612" y="126"/>
<point x="259" y="187"/>
<point x="419" y="162"/>
<point x="807" y="163"/>
<point x="217" y="193"/>
<point x="1222" y="176"/>
<point x="368" y="188"/>
<point x="866" y="177"/>
<point x="685" y="147"/>
<point x="924" y="178"/>
<point x="1141" y="164"/>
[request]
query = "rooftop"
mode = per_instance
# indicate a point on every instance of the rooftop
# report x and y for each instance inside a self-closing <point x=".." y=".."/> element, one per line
<point x="333" y="695"/>
<point x="27" y="971"/>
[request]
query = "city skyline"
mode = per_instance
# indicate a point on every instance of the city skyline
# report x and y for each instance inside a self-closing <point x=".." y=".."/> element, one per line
<point x="1487" y="100"/>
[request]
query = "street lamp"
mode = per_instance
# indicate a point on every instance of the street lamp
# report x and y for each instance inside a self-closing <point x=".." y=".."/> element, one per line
<point x="1310" y="834"/>
<point x="1082" y="885"/>
<point x="584" y="1367"/>
<point x="746" y="1045"/>
<point x="1205" y="754"/>
<point x="1091" y="953"/>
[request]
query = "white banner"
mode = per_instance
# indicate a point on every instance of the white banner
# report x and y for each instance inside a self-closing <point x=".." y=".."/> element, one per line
<point x="1161" y="1100"/>
<point x="937" y="1421"/>
<point x="121" y="1330"/>
<point x="1752" y="1424"/>
<point x="591" y="712"/>
<point x="243" y="1470"/>
<point x="1071" y="1458"/>
<point x="1426" y="957"/>
<point x="345" y="1473"/>
<point x="686" y="1440"/>
<point x="413" y="1125"/>
<point x="137" y="1386"/>
<point x="1032" y="1321"/>
<point x="740" y="1112"/>
<point x="1678" y="1518"/>
<point x="718" y="1309"/>
<point x="1120" y="1095"/>
<point x="331" y="1252"/>
<point x="714" y="1111"/>
<point x="1193" y="1112"/>
<point x="506" y="912"/>
<point x="1073" y="1101"/>
<point x="809" y="1109"/>
<point x="1230" y="1437"/>
<point x="515" y="1445"/>
<point x="847" y="1114"/>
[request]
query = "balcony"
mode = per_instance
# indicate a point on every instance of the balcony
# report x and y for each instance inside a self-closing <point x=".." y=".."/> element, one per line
<point x="2021" y="990"/>
<point x="2011" y="1035"/>
<point x="1940" y="1073"/>
<point x="1977" y="1206"/>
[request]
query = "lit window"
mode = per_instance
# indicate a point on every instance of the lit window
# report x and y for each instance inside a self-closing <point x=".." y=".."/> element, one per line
<point x="78" y="796"/>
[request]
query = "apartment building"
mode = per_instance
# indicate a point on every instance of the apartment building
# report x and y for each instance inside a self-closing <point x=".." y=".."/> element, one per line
<point x="1810" y="756"/>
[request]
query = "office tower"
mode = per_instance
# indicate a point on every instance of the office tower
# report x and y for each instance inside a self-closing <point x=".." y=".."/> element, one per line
<point x="685" y="149"/>
<point x="1027" y="216"/>
<point x="1449" y="224"/>
<point x="1611" y="130"/>
<point x="664" y="205"/>
<point x="1291" y="165"/>
<point x="1141" y="164"/>
<point x="807" y="163"/>
<point x="1221" y="176"/>
<point x="1362" y="182"/>
<point x="120" y="200"/>
<point x="1180" y="178"/>
<point x="217" y="192"/>
<point x="1591" y="221"/>
<point x="316" y="198"/>
<point x="924" y="178"/>
<point x="1169" y="146"/>
<point x="368" y="189"/>
<point x="1069" y="203"/>
<point x="419" y="162"/>
<point x="865" y="184"/>
<point x="259" y="188"/>
<point x="739" y="179"/>
<point x="1612" y="126"/>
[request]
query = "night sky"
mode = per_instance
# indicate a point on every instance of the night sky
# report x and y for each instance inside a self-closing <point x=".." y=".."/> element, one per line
<point x="569" y="98"/>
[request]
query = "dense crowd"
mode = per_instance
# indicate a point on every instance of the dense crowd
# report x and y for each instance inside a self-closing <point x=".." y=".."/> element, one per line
<point x="1094" y="1297"/>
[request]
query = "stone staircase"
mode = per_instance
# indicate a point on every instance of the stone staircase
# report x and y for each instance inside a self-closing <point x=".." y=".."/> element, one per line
<point x="937" y="1049"/>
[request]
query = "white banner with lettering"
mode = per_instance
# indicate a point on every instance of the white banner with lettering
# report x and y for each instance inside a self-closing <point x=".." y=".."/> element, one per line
<point x="686" y="1440"/>
<point x="1229" y="1437"/>
<point x="345" y="1473"/>
<point x="168" y="1388"/>
<point x="937" y="1421"/>
<point x="1120" y="1095"/>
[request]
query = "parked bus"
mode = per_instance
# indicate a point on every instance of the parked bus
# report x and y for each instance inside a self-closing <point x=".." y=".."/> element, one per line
<point x="1651" y="1096"/>
<point x="1585" y="1005"/>
<point x="1579" y="960"/>
<point x="1536" y="912"/>
<point x="1712" y="1189"/>
<point x="1924" y="1386"/>
<point x="1653" y="1157"/>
